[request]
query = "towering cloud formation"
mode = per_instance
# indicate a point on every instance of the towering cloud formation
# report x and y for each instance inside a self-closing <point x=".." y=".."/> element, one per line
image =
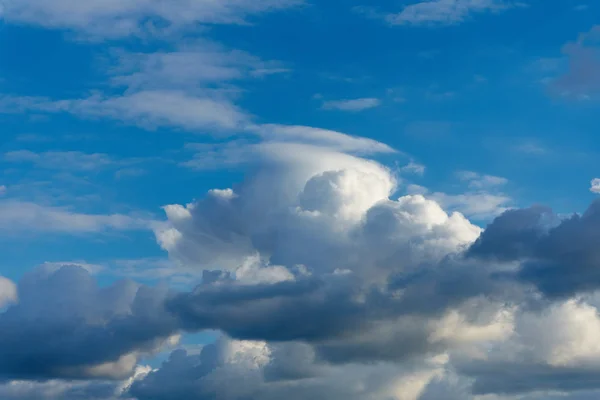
<point x="324" y="282"/>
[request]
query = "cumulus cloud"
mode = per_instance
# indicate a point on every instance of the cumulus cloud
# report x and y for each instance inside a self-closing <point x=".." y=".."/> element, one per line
<point x="265" y="371"/>
<point x="559" y="257"/>
<point x="66" y="326"/>
<point x="327" y="285"/>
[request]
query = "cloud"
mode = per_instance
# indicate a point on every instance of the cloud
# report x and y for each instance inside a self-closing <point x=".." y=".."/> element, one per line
<point x="442" y="12"/>
<point x="99" y="18"/>
<point x="353" y="105"/>
<point x="581" y="81"/>
<point x="191" y="66"/>
<point x="8" y="292"/>
<point x="148" y="109"/>
<point x="264" y="371"/>
<point x="57" y="389"/>
<point x="595" y="186"/>
<point x="479" y="181"/>
<point x="558" y="256"/>
<point x="325" y="285"/>
<point x="98" y="332"/>
<point x="413" y="168"/>
<point x="477" y="205"/>
<point x="18" y="216"/>
<point x="69" y="160"/>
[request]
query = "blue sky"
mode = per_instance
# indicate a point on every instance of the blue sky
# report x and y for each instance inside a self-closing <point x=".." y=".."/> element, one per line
<point x="116" y="115"/>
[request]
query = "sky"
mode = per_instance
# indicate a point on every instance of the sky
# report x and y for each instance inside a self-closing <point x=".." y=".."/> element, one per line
<point x="256" y="200"/>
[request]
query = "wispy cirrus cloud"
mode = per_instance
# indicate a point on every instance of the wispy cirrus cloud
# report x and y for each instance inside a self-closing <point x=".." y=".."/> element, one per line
<point x="70" y="160"/>
<point x="20" y="216"/>
<point x="440" y="12"/>
<point x="149" y="109"/>
<point x="113" y="19"/>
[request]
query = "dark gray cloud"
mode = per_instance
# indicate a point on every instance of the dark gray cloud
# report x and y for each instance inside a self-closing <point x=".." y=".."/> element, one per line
<point x="66" y="326"/>
<point x="512" y="378"/>
<point x="560" y="257"/>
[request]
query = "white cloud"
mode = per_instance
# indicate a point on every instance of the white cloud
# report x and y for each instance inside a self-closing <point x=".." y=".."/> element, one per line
<point x="413" y="168"/>
<point x="479" y="181"/>
<point x="477" y="205"/>
<point x="352" y="105"/>
<point x="17" y="216"/>
<point x="149" y="109"/>
<point x="595" y="188"/>
<point x="446" y="12"/>
<point x="102" y="18"/>
<point x="204" y="62"/>
<point x="284" y="137"/>
<point x="8" y="292"/>
<point x="323" y="138"/>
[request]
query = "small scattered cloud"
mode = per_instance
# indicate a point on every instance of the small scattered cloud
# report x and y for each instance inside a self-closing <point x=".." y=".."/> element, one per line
<point x="440" y="12"/>
<point x="581" y="7"/>
<point x="413" y="168"/>
<point x="352" y="105"/>
<point x="479" y="181"/>
<point x="595" y="186"/>
<point x="531" y="147"/>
